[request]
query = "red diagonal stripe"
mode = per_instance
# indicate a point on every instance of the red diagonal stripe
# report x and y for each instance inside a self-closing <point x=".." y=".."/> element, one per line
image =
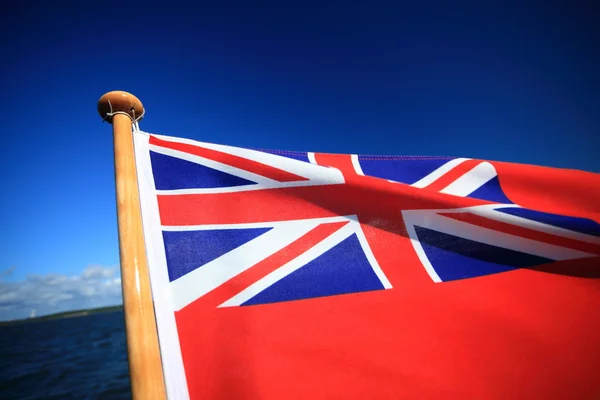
<point x="240" y="282"/>
<point x="452" y="175"/>
<point x="524" y="232"/>
<point x="255" y="167"/>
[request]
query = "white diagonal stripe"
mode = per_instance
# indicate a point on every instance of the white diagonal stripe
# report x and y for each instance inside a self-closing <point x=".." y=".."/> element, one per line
<point x="251" y="225"/>
<point x="450" y="226"/>
<point x="370" y="256"/>
<point x="214" y="165"/>
<point x="356" y="164"/>
<point x="492" y="211"/>
<point x="295" y="264"/>
<point x="471" y="181"/>
<point x="331" y="241"/>
<point x="297" y="167"/>
<point x="533" y="225"/>
<point x="409" y="221"/>
<point x="202" y="280"/>
<point x="438" y="173"/>
<point x="245" y="188"/>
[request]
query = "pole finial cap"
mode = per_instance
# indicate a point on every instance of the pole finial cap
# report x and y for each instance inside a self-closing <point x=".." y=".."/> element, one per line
<point x="119" y="101"/>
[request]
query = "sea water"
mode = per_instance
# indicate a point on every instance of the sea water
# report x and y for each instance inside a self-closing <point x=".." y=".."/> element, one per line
<point x="71" y="358"/>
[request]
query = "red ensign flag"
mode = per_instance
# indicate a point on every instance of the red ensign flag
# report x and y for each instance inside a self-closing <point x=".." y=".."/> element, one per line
<point x="290" y="275"/>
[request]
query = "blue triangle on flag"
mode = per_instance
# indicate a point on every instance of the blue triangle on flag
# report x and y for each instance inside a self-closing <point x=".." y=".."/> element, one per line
<point x="581" y="225"/>
<point x="491" y="191"/>
<point x="340" y="270"/>
<point x="454" y="257"/>
<point x="189" y="250"/>
<point x="174" y="173"/>
<point x="402" y="170"/>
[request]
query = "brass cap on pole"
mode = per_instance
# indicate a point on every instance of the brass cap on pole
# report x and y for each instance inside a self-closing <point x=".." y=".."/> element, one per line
<point x="119" y="101"/>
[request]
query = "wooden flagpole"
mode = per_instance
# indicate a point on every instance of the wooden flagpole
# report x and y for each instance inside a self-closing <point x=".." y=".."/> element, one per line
<point x="147" y="380"/>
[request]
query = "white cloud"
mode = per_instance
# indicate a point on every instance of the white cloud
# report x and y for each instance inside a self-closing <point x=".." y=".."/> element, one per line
<point x="96" y="286"/>
<point x="98" y="272"/>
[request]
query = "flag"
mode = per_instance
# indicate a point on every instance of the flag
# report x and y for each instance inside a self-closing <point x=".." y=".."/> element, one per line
<point x="294" y="275"/>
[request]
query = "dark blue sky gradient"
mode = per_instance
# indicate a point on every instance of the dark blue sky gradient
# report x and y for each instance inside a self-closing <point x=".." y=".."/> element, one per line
<point x="513" y="82"/>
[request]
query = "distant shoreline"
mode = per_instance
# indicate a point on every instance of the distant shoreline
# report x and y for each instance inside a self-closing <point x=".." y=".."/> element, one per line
<point x="65" y="314"/>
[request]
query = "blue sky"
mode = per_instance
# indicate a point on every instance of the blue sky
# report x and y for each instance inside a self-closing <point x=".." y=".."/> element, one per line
<point x="502" y="82"/>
